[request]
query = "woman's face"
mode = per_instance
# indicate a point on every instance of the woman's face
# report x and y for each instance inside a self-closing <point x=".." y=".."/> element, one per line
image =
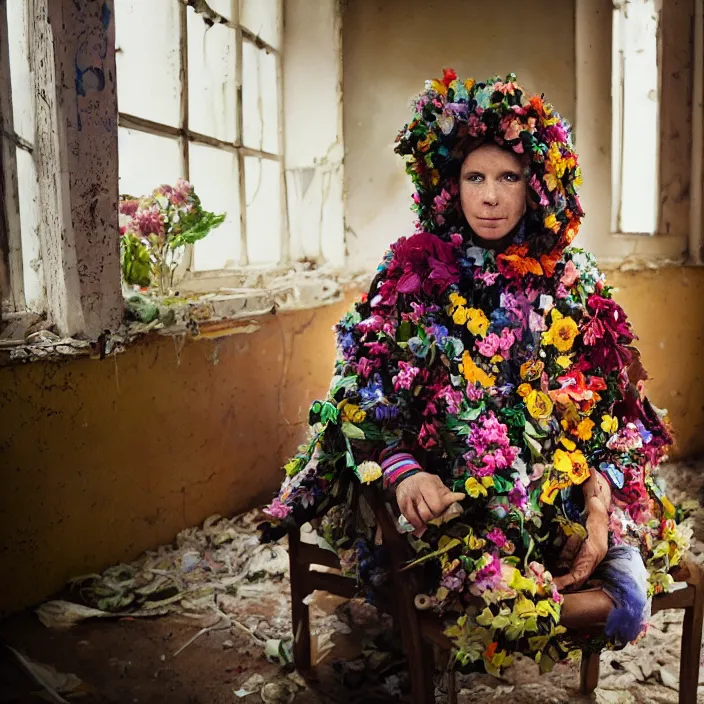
<point x="492" y="191"/>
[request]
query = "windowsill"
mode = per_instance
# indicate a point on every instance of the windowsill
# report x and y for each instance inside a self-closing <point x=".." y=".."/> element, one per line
<point x="201" y="316"/>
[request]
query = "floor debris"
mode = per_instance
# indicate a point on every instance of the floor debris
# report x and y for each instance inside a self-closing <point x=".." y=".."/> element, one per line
<point x="221" y="633"/>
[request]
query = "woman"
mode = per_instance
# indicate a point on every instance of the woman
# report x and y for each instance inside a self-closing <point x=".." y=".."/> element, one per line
<point x="489" y="381"/>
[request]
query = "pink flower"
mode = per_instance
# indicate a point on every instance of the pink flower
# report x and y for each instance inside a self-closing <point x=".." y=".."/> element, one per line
<point x="561" y="291"/>
<point x="277" y="510"/>
<point x="518" y="496"/>
<point x="452" y="397"/>
<point x="487" y="278"/>
<point x="570" y="275"/>
<point x="365" y="367"/>
<point x="428" y="436"/>
<point x="129" y="207"/>
<point x="489" y="346"/>
<point x="371" y="324"/>
<point x="537" y="187"/>
<point x="150" y="221"/>
<point x="496" y="535"/>
<point x="406" y="374"/>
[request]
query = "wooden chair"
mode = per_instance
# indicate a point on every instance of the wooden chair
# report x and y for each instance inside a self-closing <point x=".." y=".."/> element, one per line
<point x="421" y="630"/>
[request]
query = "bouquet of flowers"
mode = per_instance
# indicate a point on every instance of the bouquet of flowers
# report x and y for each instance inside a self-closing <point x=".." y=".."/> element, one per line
<point x="154" y="229"/>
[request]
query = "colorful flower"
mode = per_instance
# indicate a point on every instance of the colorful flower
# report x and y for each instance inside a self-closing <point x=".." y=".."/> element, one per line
<point x="562" y="332"/>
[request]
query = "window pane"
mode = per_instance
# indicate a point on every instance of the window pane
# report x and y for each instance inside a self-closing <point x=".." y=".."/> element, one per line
<point x="259" y="99"/>
<point x="29" y="223"/>
<point x="636" y="110"/>
<point x="263" y="189"/>
<point x="214" y="177"/>
<point x="147" y="39"/>
<point x="211" y="78"/>
<point x="146" y="161"/>
<point x="22" y="104"/>
<point x="263" y="18"/>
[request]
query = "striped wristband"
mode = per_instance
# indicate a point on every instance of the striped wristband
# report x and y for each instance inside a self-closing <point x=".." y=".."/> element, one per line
<point x="398" y="466"/>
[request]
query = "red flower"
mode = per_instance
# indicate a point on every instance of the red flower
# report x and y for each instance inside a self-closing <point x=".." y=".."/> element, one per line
<point x="448" y="75"/>
<point x="608" y="332"/>
<point x="421" y="262"/>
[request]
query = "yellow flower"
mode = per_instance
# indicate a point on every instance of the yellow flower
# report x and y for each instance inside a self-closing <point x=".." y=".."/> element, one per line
<point x="549" y="491"/>
<point x="459" y="316"/>
<point x="496" y="358"/>
<point x="562" y="462"/>
<point x="424" y="144"/>
<point x="474" y="543"/>
<point x="477" y="323"/>
<point x="488" y="482"/>
<point x="438" y="86"/>
<point x="580" y="468"/>
<point x="584" y="429"/>
<point x="564" y="361"/>
<point x="532" y="369"/>
<point x="474" y="488"/>
<point x="472" y="373"/>
<point x="521" y="583"/>
<point x="568" y="444"/>
<point x="539" y="405"/>
<point x="573" y="464"/>
<point x="469" y="84"/>
<point x="293" y="466"/>
<point x="609" y="424"/>
<point x="562" y="332"/>
<point x="368" y="472"/>
<point x="457" y="300"/>
<point x="523" y="390"/>
<point x="551" y="223"/>
<point x="351" y="412"/>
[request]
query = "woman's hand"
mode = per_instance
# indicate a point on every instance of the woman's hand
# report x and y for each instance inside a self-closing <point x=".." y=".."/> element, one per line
<point x="584" y="556"/>
<point x="423" y="497"/>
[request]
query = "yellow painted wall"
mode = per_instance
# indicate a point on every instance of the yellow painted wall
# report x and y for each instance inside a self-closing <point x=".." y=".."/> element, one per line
<point x="101" y="460"/>
<point x="666" y="309"/>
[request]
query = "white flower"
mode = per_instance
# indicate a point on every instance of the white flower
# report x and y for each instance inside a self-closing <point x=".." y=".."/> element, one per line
<point x="368" y="472"/>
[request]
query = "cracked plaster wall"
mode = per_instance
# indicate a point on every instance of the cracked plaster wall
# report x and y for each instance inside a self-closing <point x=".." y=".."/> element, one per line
<point x="104" y="459"/>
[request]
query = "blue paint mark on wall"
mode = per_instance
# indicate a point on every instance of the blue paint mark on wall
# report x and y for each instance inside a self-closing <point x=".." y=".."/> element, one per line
<point x="105" y="15"/>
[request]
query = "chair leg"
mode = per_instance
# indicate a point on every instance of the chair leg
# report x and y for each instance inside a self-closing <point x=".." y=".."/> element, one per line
<point x="589" y="672"/>
<point x="692" y="642"/>
<point x="300" y="616"/>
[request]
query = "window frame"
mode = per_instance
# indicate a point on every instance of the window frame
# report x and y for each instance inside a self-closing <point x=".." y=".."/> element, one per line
<point x="187" y="278"/>
<point x="672" y="241"/>
<point x="12" y="295"/>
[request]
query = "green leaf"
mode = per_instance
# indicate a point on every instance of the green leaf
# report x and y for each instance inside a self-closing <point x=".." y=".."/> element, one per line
<point x="329" y="412"/>
<point x="404" y="331"/>
<point x="352" y="431"/>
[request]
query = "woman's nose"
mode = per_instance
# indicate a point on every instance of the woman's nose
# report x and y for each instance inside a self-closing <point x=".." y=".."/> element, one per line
<point x="490" y="195"/>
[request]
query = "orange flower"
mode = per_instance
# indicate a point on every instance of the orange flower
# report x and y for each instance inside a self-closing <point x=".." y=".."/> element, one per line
<point x="491" y="650"/>
<point x="514" y="262"/>
<point x="532" y="369"/>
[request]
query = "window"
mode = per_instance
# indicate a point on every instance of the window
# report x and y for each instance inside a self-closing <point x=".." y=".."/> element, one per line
<point x="21" y="279"/>
<point x="636" y="112"/>
<point x="199" y="96"/>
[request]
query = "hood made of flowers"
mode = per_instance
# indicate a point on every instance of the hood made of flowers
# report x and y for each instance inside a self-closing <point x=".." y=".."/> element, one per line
<point x="449" y="115"/>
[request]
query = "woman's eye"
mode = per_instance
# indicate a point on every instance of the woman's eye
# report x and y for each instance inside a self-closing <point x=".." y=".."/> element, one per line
<point x="474" y="178"/>
<point x="512" y="178"/>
